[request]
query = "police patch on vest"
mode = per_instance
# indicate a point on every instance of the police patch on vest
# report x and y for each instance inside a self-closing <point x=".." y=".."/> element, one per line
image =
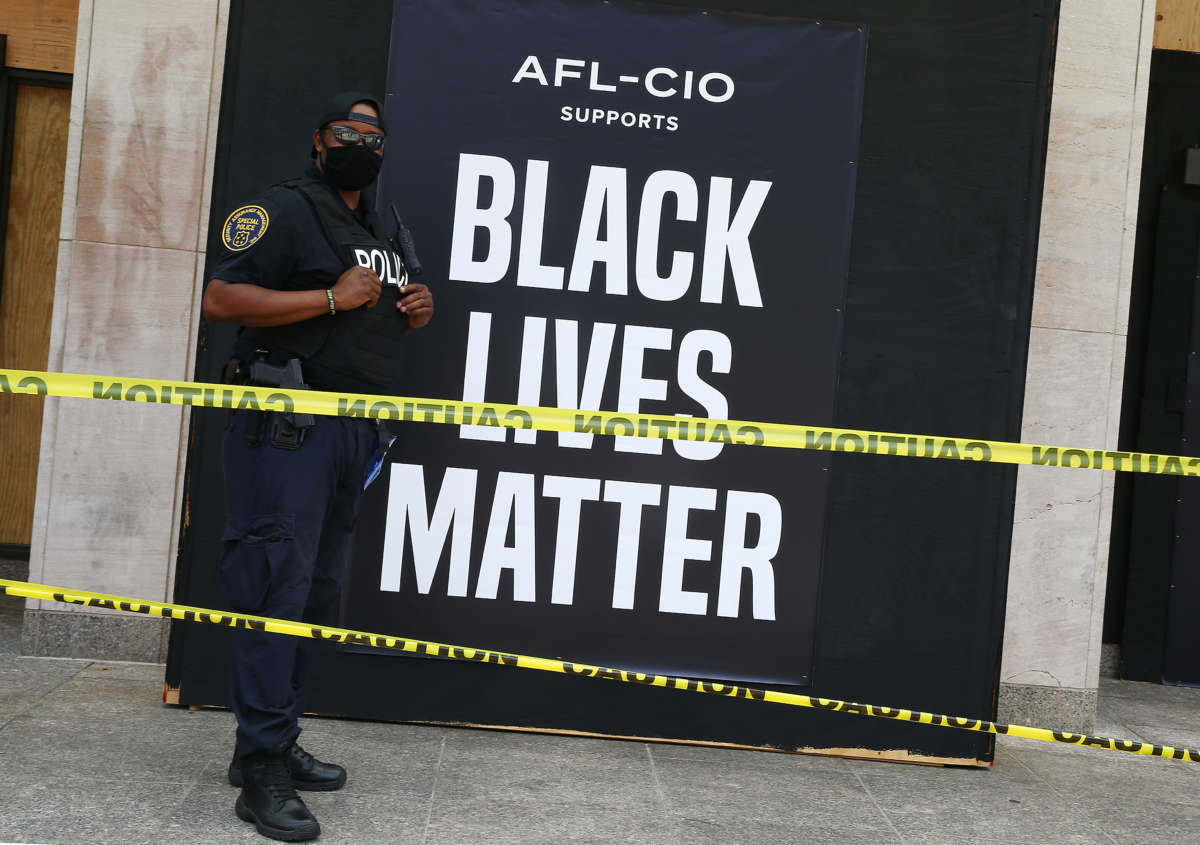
<point x="244" y="227"/>
<point x="388" y="265"/>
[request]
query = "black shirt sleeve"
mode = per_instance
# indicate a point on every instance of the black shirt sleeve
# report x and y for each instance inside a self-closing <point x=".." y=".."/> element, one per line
<point x="270" y="261"/>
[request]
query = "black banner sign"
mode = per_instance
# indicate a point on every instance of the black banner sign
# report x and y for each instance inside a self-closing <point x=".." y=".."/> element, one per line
<point x="631" y="208"/>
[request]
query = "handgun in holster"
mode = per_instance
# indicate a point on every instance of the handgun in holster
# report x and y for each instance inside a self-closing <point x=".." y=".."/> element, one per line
<point x="237" y="371"/>
<point x="287" y="427"/>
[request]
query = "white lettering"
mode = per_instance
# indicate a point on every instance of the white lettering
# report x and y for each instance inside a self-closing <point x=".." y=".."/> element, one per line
<point x="632" y="497"/>
<point x="715" y="405"/>
<point x="571" y="493"/>
<point x="724" y="236"/>
<point x="529" y="384"/>
<point x="566" y="340"/>
<point x="564" y="69"/>
<point x="724" y="79"/>
<point x="469" y="217"/>
<point x="531" y="69"/>
<point x="531" y="273"/>
<point x="605" y="198"/>
<point x="653" y="75"/>
<point x="513" y="504"/>
<point x="735" y="556"/>
<point x="675" y="284"/>
<point x="479" y="337"/>
<point x="407" y="508"/>
<point x="634" y="388"/>
<point x="678" y="548"/>
<point x="596" y="84"/>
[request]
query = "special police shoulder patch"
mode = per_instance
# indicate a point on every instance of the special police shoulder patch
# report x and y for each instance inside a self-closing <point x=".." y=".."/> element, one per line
<point x="244" y="227"/>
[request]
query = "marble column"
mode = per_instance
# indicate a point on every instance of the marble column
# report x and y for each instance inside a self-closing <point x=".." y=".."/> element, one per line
<point x="131" y="256"/>
<point x="1050" y="669"/>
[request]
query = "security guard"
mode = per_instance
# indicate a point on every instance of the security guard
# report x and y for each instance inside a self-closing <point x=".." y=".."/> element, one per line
<point x="324" y="302"/>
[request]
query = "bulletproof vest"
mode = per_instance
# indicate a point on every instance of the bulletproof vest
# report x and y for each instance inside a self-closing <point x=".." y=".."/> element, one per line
<point x="362" y="346"/>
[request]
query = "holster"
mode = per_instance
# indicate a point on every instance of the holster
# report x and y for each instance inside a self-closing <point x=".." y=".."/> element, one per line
<point x="287" y="428"/>
<point x="237" y="371"/>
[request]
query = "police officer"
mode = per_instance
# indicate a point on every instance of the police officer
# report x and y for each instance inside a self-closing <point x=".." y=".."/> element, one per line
<point x="309" y="276"/>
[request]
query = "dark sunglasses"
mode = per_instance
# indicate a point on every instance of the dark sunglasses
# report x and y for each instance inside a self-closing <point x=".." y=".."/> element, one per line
<point x="346" y="135"/>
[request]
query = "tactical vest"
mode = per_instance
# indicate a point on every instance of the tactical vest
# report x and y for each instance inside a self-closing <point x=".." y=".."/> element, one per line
<point x="360" y="348"/>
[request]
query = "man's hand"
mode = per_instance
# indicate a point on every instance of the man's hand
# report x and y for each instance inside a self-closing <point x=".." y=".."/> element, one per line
<point x="355" y="287"/>
<point x="416" y="304"/>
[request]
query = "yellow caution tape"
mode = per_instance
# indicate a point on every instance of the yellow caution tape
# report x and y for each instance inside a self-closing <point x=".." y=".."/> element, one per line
<point x="519" y="661"/>
<point x="456" y="412"/>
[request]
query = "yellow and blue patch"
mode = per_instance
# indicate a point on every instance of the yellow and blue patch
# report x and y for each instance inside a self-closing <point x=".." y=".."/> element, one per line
<point x="245" y="227"/>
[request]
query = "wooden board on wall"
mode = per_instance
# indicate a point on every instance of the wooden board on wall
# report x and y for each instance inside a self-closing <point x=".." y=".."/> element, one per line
<point x="27" y="289"/>
<point x="41" y="33"/>
<point x="1177" y="26"/>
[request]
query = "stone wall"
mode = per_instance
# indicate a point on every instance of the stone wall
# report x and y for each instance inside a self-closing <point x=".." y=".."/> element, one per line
<point x="1059" y="563"/>
<point x="131" y="254"/>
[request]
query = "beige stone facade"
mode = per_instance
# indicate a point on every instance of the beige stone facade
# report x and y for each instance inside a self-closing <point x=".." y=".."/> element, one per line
<point x="131" y="257"/>
<point x="1058" y="566"/>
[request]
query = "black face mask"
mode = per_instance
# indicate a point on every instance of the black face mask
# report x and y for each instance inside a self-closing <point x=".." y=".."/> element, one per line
<point x="351" y="168"/>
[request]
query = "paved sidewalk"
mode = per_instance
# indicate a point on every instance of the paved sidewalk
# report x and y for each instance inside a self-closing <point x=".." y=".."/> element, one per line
<point x="88" y="754"/>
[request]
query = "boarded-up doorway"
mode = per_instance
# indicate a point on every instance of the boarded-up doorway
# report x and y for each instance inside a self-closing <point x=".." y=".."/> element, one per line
<point x="34" y="126"/>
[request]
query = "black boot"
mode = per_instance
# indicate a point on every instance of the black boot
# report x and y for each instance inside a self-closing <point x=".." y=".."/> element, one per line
<point x="269" y="800"/>
<point x="307" y="771"/>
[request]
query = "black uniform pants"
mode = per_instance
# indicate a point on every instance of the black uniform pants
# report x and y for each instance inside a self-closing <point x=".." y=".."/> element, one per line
<point x="285" y="549"/>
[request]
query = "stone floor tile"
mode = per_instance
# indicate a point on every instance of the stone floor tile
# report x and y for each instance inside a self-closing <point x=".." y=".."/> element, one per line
<point x="699" y="832"/>
<point x="522" y="819"/>
<point x="1148" y="704"/>
<point x="36" y="750"/>
<point x="981" y="805"/>
<point x="522" y="742"/>
<point x="1120" y="776"/>
<point x="110" y="670"/>
<point x="21" y="690"/>
<point x="96" y="757"/>
<point x="326" y="735"/>
<point x="115" y="698"/>
<point x="1071" y="750"/>
<point x="1138" y="822"/>
<point x="1178" y="735"/>
<point x="1004" y="837"/>
<point x="553" y="778"/>
<point x="554" y="767"/>
<point x="1107" y="725"/>
<point x="398" y="761"/>
<point x="397" y="818"/>
<point x="1116" y="690"/>
<point x="55" y="810"/>
<point x="1163" y="715"/>
<point x="717" y="793"/>
<point x="62" y="666"/>
<point x="205" y="815"/>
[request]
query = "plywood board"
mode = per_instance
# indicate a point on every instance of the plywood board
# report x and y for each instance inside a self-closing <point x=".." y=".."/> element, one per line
<point x="899" y="755"/>
<point x="27" y="289"/>
<point x="41" y="33"/>
<point x="1177" y="26"/>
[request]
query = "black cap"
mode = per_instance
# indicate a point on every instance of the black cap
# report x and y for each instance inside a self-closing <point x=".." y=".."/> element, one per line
<point x="340" y="107"/>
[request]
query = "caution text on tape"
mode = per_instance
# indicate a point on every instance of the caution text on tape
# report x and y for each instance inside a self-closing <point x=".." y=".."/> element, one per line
<point x="456" y="412"/>
<point x="479" y="655"/>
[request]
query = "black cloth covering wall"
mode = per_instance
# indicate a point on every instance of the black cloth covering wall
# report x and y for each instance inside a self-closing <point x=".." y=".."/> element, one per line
<point x="936" y="330"/>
